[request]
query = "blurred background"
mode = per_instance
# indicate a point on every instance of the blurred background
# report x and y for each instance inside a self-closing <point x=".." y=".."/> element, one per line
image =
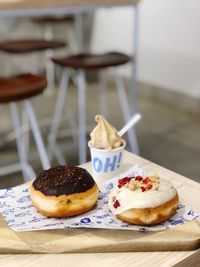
<point x="168" y="81"/>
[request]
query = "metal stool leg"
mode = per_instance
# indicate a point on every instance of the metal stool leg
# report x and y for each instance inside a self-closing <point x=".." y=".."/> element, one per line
<point x="71" y="39"/>
<point x="102" y="93"/>
<point x="53" y="148"/>
<point x="79" y="31"/>
<point x="71" y="120"/>
<point x="48" y="32"/>
<point x="26" y="134"/>
<point x="126" y="112"/>
<point x="81" y="116"/>
<point x="27" y="170"/>
<point x="37" y="135"/>
<point x="50" y="74"/>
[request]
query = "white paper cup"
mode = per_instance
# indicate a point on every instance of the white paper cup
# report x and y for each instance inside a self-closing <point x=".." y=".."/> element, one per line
<point x="106" y="163"/>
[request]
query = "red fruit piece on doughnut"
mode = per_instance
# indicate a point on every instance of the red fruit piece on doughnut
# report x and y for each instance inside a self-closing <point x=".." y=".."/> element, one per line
<point x="138" y="178"/>
<point x="116" y="204"/>
<point x="149" y="186"/>
<point x="146" y="180"/>
<point x="123" y="181"/>
<point x="143" y="188"/>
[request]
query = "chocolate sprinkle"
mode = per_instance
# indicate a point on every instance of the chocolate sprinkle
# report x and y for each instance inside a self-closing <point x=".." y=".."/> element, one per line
<point x="63" y="180"/>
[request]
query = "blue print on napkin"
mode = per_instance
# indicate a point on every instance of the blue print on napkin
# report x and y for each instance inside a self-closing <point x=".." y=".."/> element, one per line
<point x="18" y="211"/>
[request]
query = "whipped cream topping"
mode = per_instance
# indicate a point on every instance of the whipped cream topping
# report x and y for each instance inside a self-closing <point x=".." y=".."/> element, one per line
<point x="148" y="192"/>
<point x="104" y="135"/>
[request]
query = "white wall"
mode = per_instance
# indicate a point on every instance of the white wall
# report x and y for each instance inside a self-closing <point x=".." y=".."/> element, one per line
<point x="169" y="41"/>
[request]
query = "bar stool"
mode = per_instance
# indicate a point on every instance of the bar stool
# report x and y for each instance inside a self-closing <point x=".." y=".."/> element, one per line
<point x="49" y="21"/>
<point x="23" y="46"/>
<point x="22" y="88"/>
<point x="90" y="62"/>
<point x="55" y="19"/>
<point x="29" y="45"/>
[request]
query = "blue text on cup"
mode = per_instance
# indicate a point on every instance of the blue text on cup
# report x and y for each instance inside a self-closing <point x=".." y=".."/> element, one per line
<point x="107" y="164"/>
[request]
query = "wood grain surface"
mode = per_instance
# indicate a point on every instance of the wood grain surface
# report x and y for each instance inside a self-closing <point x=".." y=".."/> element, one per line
<point x="183" y="238"/>
<point x="135" y="259"/>
<point x="189" y="192"/>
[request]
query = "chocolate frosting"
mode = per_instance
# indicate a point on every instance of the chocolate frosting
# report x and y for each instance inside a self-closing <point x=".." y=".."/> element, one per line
<point x="63" y="180"/>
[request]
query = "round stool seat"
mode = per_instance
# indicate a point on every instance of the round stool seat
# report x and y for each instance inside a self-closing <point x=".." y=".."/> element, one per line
<point x="53" y="19"/>
<point x="21" y="87"/>
<point x="93" y="61"/>
<point x="24" y="46"/>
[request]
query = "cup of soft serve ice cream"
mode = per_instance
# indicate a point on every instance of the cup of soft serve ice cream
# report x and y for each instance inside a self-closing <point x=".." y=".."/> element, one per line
<point x="106" y="148"/>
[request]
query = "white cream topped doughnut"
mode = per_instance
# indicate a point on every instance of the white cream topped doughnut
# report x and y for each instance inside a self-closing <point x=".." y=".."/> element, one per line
<point x="143" y="200"/>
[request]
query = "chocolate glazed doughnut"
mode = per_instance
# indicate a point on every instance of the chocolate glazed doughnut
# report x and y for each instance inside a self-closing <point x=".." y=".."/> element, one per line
<point x="64" y="191"/>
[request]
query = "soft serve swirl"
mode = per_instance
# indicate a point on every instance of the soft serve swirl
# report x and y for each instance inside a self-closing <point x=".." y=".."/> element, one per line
<point x="104" y="135"/>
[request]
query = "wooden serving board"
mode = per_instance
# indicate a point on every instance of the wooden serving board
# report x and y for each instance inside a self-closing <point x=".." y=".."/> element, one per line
<point x="185" y="237"/>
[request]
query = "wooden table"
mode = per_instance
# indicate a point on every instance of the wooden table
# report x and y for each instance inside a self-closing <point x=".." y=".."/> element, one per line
<point x="189" y="194"/>
<point x="37" y="4"/>
<point x="27" y="8"/>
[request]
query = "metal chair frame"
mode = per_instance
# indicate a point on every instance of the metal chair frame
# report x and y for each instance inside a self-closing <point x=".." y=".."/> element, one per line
<point x="82" y="129"/>
<point x="23" y="165"/>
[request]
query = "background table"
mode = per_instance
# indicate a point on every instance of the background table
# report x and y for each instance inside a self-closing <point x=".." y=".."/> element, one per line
<point x="25" y="8"/>
<point x="189" y="195"/>
<point x="51" y="5"/>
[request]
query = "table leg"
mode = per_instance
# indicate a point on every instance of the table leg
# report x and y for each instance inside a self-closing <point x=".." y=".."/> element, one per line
<point x="79" y="31"/>
<point x="133" y="92"/>
<point x="81" y="116"/>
